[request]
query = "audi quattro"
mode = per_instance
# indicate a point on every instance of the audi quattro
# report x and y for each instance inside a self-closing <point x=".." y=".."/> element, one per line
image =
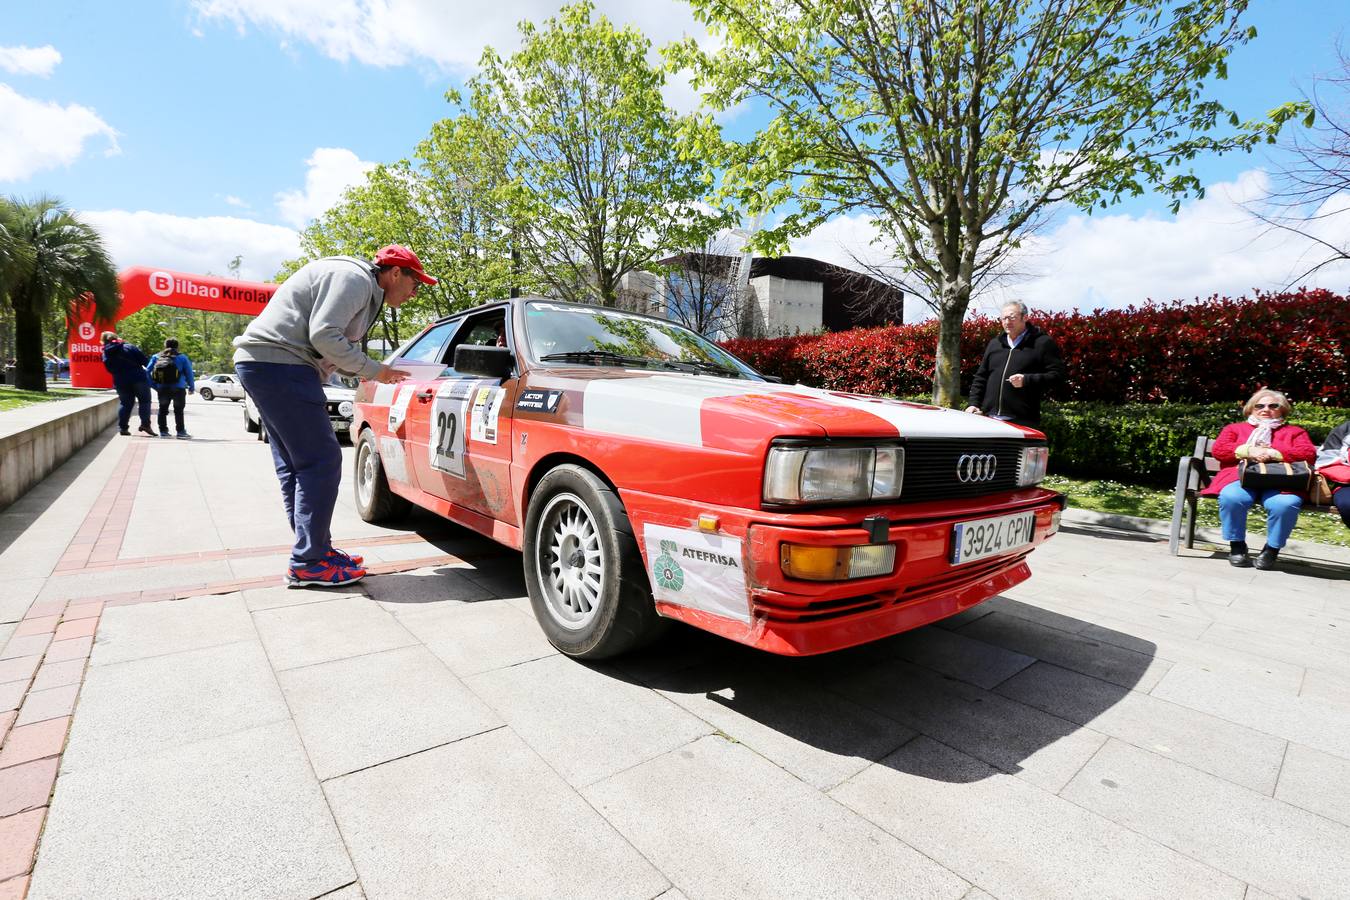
<point x="645" y="474"/>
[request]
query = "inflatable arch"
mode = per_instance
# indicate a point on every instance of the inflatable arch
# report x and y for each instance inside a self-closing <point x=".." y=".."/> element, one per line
<point x="140" y="287"/>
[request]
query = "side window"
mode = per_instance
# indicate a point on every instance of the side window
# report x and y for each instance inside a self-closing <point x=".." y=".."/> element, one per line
<point x="485" y="330"/>
<point x="427" y="348"/>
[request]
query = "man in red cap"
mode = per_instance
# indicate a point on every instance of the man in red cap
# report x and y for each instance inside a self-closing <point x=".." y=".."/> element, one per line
<point x="310" y="328"/>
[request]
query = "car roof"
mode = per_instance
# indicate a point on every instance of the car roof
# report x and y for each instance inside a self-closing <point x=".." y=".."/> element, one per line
<point x="518" y="301"/>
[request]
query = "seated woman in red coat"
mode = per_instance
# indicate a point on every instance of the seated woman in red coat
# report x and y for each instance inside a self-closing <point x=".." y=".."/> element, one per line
<point x="1264" y="437"/>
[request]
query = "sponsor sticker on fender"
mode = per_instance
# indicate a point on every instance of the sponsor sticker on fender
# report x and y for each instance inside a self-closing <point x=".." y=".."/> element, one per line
<point x="697" y="570"/>
<point x="398" y="407"/>
<point x="538" y="401"/>
<point x="487" y="408"/>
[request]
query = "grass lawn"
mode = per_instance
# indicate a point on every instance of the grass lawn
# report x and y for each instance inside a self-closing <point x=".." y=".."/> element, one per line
<point x="12" y="398"/>
<point x="1156" y="503"/>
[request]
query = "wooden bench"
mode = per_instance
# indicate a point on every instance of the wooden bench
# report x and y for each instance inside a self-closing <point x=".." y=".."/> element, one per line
<point x="1194" y="474"/>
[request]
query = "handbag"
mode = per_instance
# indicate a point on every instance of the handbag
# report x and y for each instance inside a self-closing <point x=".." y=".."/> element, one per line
<point x="1325" y="482"/>
<point x="1275" y="476"/>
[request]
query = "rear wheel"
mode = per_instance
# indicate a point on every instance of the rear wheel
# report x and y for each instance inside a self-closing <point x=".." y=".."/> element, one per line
<point x="249" y="425"/>
<point x="375" y="502"/>
<point x="585" y="576"/>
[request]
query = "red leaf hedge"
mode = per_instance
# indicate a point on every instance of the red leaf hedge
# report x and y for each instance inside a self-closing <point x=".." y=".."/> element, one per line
<point x="1215" y="349"/>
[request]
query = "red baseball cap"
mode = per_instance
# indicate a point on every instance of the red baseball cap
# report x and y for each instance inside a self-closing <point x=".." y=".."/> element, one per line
<point x="394" y="255"/>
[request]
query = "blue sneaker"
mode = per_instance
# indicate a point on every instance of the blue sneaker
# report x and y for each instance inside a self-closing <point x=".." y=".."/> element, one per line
<point x="323" y="573"/>
<point x="351" y="560"/>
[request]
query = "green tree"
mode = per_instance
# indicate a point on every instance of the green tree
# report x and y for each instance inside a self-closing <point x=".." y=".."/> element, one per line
<point x="68" y="262"/>
<point x="957" y="126"/>
<point x="598" y="179"/>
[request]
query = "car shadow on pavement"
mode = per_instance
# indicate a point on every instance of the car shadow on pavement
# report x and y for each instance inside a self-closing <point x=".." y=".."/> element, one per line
<point x="1007" y="688"/>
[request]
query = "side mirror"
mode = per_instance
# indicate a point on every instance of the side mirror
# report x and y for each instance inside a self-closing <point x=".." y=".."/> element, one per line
<point x="490" y="362"/>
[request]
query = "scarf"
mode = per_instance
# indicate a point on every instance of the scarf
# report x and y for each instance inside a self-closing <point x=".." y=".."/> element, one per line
<point x="1264" y="431"/>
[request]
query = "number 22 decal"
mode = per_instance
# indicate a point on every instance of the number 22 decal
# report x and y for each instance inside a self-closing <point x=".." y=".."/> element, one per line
<point x="446" y="426"/>
<point x="445" y="444"/>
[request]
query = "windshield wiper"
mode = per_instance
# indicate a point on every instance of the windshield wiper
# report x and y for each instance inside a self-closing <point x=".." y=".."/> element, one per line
<point x="597" y="357"/>
<point x="701" y="366"/>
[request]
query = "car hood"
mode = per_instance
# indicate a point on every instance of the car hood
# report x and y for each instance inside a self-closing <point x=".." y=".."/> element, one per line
<point x="733" y="414"/>
<point x="338" y="393"/>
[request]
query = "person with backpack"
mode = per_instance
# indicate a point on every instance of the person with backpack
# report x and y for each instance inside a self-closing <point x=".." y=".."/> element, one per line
<point x="172" y="377"/>
<point x="310" y="328"/>
<point x="126" y="364"/>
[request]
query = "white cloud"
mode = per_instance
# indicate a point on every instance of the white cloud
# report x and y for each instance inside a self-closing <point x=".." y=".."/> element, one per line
<point x="196" y="245"/>
<point x="37" y="135"/>
<point x="39" y="61"/>
<point x="450" y="37"/>
<point x="1213" y="245"/>
<point x="331" y="171"/>
<point x="232" y="200"/>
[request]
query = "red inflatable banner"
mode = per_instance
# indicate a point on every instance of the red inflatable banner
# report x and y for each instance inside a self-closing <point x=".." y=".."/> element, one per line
<point x="142" y="287"/>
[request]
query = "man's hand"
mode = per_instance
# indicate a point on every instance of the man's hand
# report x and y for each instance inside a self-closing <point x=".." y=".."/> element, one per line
<point x="390" y="375"/>
<point x="1016" y="380"/>
<point x="975" y="409"/>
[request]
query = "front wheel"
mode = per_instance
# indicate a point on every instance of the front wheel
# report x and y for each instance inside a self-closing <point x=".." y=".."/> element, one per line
<point x="375" y="502"/>
<point x="587" y="583"/>
<point x="249" y="425"/>
<point x="206" y="394"/>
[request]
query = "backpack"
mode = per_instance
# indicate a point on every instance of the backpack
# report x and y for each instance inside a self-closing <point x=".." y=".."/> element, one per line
<point x="165" y="371"/>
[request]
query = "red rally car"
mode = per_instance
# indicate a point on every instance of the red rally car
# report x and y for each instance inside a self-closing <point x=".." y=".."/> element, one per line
<point x="646" y="474"/>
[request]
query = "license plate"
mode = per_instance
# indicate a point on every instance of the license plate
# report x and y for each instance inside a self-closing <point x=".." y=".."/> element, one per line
<point x="990" y="537"/>
<point x="341" y="425"/>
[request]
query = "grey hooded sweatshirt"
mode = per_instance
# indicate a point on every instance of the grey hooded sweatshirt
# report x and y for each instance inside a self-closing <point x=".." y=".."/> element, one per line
<point x="317" y="318"/>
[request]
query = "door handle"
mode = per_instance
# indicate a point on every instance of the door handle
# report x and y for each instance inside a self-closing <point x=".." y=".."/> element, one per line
<point x="425" y="395"/>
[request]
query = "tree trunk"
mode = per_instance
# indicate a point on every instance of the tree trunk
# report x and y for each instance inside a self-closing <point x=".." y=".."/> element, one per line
<point x="29" y="374"/>
<point x="947" y="371"/>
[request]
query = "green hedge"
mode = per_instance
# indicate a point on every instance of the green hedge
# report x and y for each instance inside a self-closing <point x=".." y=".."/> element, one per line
<point x="1141" y="442"/>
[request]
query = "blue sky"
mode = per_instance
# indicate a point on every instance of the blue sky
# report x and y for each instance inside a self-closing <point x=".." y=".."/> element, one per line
<point x="192" y="130"/>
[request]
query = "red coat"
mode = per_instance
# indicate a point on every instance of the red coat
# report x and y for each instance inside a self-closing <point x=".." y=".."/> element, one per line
<point x="1293" y="442"/>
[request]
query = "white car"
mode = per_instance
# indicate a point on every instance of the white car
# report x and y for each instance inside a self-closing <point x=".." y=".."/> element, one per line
<point x="222" y="385"/>
<point x="341" y="393"/>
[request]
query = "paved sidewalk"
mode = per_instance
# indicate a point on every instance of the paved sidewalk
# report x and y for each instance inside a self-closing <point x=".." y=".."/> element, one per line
<point x="1125" y="724"/>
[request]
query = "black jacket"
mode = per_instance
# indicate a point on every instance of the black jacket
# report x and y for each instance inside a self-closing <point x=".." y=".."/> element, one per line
<point x="1036" y="357"/>
<point x="126" y="362"/>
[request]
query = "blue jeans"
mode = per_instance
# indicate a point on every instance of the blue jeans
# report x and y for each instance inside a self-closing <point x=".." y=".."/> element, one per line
<point x="308" y="459"/>
<point x="128" y="393"/>
<point x="1281" y="513"/>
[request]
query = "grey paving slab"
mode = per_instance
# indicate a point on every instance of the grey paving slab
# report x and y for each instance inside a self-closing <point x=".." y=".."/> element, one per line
<point x="1013" y="839"/>
<point x="1232" y="752"/>
<point x="141" y="707"/>
<point x="1329" y="688"/>
<point x="18" y="596"/>
<point x="399" y="592"/>
<point x="1275" y="846"/>
<point x="234" y="816"/>
<point x="1016" y="738"/>
<point x="350" y="892"/>
<point x="1303" y="720"/>
<point x="7" y="629"/>
<point x="348" y="625"/>
<point x="281" y="595"/>
<point x="170" y="626"/>
<point x="959" y="655"/>
<point x="819" y="736"/>
<point x="1295" y="649"/>
<point x="1022" y="609"/>
<point x="1128" y="668"/>
<point x="1137" y="610"/>
<point x="585" y="722"/>
<point x="724" y="822"/>
<point x="1317" y="782"/>
<point x="478" y="637"/>
<point x="365" y="710"/>
<point x="92" y="585"/>
<point x="482" y="817"/>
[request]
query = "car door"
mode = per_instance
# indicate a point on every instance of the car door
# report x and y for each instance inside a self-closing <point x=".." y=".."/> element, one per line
<point x="389" y="404"/>
<point x="459" y="427"/>
<point x="227" y="386"/>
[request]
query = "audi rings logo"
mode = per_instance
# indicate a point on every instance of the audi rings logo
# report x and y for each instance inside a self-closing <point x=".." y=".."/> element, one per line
<point x="974" y="468"/>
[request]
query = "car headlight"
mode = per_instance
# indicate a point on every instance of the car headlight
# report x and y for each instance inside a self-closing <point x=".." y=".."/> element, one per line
<point x="833" y="474"/>
<point x="1031" y="469"/>
<point x="345" y="409"/>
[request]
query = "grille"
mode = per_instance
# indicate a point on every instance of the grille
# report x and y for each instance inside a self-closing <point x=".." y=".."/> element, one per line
<point x="930" y="467"/>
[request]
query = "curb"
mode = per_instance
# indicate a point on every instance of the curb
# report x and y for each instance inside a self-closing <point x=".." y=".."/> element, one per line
<point x="1160" y="529"/>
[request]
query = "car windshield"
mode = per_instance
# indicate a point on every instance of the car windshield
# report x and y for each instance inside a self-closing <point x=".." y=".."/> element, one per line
<point x="343" y="381"/>
<point x="609" y="337"/>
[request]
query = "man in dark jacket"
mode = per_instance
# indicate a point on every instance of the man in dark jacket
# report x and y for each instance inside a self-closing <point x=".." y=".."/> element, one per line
<point x="126" y="363"/>
<point x="1018" y="367"/>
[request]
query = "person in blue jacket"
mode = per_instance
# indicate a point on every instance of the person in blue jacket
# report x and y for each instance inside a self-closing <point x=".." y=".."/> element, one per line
<point x="170" y="373"/>
<point x="126" y="363"/>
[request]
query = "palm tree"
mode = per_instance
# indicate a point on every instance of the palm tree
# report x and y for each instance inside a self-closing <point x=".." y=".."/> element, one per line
<point x="56" y="258"/>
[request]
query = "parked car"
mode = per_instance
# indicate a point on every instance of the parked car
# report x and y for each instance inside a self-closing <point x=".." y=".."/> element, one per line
<point x="646" y="474"/>
<point x="222" y="385"/>
<point x="340" y="392"/>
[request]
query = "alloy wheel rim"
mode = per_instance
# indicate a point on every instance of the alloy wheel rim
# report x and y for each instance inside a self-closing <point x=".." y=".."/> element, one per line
<point x="570" y="561"/>
<point x="365" y="473"/>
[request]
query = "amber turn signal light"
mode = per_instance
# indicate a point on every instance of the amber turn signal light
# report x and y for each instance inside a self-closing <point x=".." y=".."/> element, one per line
<point x="815" y="563"/>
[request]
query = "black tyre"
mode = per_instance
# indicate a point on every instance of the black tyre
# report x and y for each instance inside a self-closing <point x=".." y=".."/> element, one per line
<point x="234" y="399"/>
<point x="587" y="583"/>
<point x="374" y="501"/>
<point x="262" y="432"/>
<point x="249" y="425"/>
<point x="207" y="394"/>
